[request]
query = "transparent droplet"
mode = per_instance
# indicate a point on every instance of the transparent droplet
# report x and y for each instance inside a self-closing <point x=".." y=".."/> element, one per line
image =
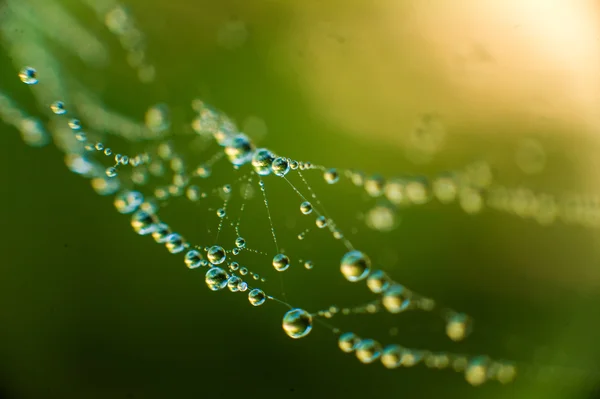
<point x="193" y="259"/>
<point x="297" y="323"/>
<point x="321" y="222"/>
<point x="58" y="108"/>
<point x="281" y="262"/>
<point x="161" y="232"/>
<point x="216" y="255"/>
<point x="257" y="297"/>
<point x="477" y="370"/>
<point x="391" y="357"/>
<point x="111" y="171"/>
<point x="459" y="326"/>
<point x="143" y="222"/>
<point x="396" y="298"/>
<point x="306" y="208"/>
<point x="128" y="201"/>
<point x="417" y="190"/>
<point x="331" y="176"/>
<point x="80" y="136"/>
<point x="216" y="279"/>
<point x="193" y="193"/>
<point x="368" y="350"/>
<point x="28" y="75"/>
<point x="240" y="242"/>
<point x="378" y="281"/>
<point x="355" y="266"/>
<point x="221" y="213"/>
<point x="233" y="283"/>
<point x="347" y="342"/>
<point x="374" y="186"/>
<point x="203" y="171"/>
<point x="280" y="167"/>
<point x="445" y="189"/>
<point x="243" y="271"/>
<point x="308" y="264"/>
<point x="174" y="243"/>
<point x="262" y="160"/>
<point x="233" y="266"/>
<point x="74" y="124"/>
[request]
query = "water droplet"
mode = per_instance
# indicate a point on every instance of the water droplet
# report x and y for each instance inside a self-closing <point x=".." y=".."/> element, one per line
<point x="74" y="124"/>
<point x="243" y="271"/>
<point x="203" y="171"/>
<point x="281" y="262"/>
<point x="128" y="201"/>
<point x="108" y="152"/>
<point x="216" y="279"/>
<point x="257" y="297"/>
<point x="28" y="75"/>
<point x="192" y="259"/>
<point x="111" y="171"/>
<point x="331" y="176"/>
<point x="143" y="222"/>
<point x="297" y="323"/>
<point x="174" y="243"/>
<point x="378" y="281"/>
<point x="477" y="370"/>
<point x="347" y="342"/>
<point x="80" y="136"/>
<point x="221" y="213"/>
<point x="374" y="186"/>
<point x="239" y="149"/>
<point x="368" y="350"/>
<point x="306" y="208"/>
<point x="280" y="167"/>
<point x="308" y="264"/>
<point x="355" y="266"/>
<point x="321" y="222"/>
<point x="233" y="283"/>
<point x="391" y="357"/>
<point x="459" y="326"/>
<point x="240" y="242"/>
<point x="262" y="160"/>
<point x="58" y="108"/>
<point x="445" y="188"/>
<point x="216" y="255"/>
<point x="161" y="232"/>
<point x="396" y="298"/>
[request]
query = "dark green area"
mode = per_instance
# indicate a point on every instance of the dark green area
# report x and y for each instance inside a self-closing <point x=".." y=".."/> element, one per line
<point x="90" y="310"/>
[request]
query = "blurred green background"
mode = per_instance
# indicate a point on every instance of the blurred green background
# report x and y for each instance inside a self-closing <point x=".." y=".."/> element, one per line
<point x="89" y="309"/>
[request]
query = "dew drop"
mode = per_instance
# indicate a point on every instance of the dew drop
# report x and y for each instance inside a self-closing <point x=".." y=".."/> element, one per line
<point x="281" y="262"/>
<point x="216" y="255"/>
<point x="28" y="75"/>
<point x="111" y="171"/>
<point x="175" y="243"/>
<point x="58" y="108"/>
<point x="240" y="242"/>
<point x="280" y="167"/>
<point x="355" y="266"/>
<point x="321" y="222"/>
<point x="256" y="297"/>
<point x="306" y="208"/>
<point x="368" y="350"/>
<point x="347" y="342"/>
<point x="297" y="323"/>
<point x="396" y="298"/>
<point x="193" y="259"/>
<point x="216" y="279"/>
<point x="331" y="176"/>
<point x="378" y="281"/>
